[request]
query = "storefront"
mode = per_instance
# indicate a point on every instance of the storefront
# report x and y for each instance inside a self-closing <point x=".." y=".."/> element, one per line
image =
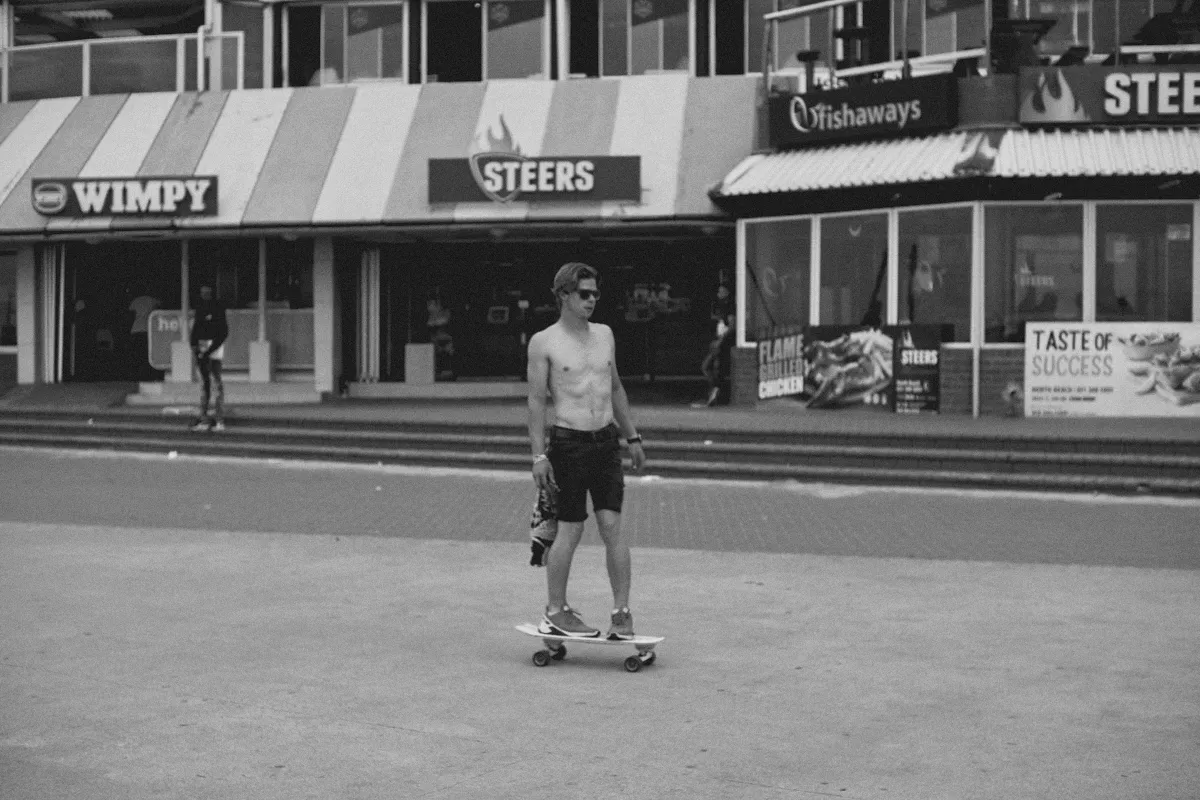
<point x="1059" y="195"/>
<point x="381" y="239"/>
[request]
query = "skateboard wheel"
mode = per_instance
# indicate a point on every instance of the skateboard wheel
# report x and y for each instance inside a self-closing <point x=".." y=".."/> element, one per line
<point x="559" y="653"/>
<point x="633" y="664"/>
<point x="541" y="658"/>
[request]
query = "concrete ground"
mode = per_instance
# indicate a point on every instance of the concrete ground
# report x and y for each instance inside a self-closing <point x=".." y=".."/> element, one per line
<point x="176" y="661"/>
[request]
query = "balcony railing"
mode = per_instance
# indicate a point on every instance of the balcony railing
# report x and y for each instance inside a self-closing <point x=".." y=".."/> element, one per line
<point x="122" y="65"/>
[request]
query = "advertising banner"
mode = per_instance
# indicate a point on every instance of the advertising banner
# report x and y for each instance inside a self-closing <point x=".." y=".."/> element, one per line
<point x="1112" y="369"/>
<point x="290" y="331"/>
<point x="874" y="110"/>
<point x="1125" y="95"/>
<point x="839" y="366"/>
<point x="166" y="196"/>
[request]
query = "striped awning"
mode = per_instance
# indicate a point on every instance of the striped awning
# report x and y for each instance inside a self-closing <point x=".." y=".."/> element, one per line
<point x="1090" y="153"/>
<point x="358" y="155"/>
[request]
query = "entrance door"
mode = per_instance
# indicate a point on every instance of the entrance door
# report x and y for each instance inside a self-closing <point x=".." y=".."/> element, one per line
<point x="109" y="291"/>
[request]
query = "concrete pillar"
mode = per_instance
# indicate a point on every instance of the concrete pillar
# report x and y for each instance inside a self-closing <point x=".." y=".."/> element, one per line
<point x="27" y="327"/>
<point x="261" y="367"/>
<point x="181" y="350"/>
<point x="326" y="319"/>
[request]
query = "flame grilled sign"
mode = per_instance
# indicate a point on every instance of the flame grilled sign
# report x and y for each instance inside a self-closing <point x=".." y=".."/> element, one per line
<point x="498" y="171"/>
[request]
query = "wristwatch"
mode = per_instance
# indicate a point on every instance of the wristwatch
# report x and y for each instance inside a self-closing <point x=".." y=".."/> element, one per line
<point x="634" y="439"/>
<point x="540" y="458"/>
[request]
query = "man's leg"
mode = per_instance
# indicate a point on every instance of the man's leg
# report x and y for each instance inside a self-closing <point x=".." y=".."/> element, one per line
<point x="558" y="564"/>
<point x="205" y="385"/>
<point x="617" y="556"/>
<point x="218" y="388"/>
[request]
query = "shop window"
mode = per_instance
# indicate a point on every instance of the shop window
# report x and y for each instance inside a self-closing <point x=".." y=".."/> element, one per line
<point x="640" y="37"/>
<point x="516" y="32"/>
<point x="1144" y="262"/>
<point x="248" y="19"/>
<point x="8" y="299"/>
<point x="289" y="273"/>
<point x="778" y="275"/>
<point x="230" y="266"/>
<point x="1033" y="267"/>
<point x="853" y="269"/>
<point x="361" y="42"/>
<point x="935" y="269"/>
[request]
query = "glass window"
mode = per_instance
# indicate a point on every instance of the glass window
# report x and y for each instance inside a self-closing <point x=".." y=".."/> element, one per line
<point x="853" y="269"/>
<point x="935" y="269"/>
<point x="644" y="36"/>
<point x="248" y="19"/>
<point x="1144" y="262"/>
<point x="810" y="32"/>
<point x="289" y="273"/>
<point x="454" y="40"/>
<point x="8" y="299"/>
<point x="122" y="67"/>
<point x="939" y="26"/>
<point x="362" y="42"/>
<point x="1033" y="268"/>
<point x="778" y="270"/>
<point x="516" y="31"/>
<point x="43" y="72"/>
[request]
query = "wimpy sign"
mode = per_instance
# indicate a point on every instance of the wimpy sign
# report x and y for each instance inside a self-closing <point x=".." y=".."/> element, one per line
<point x="106" y="197"/>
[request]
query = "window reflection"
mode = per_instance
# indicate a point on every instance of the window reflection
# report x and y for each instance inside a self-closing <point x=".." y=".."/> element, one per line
<point x="778" y="269"/>
<point x="644" y="36"/>
<point x="516" y="29"/>
<point x="361" y="42"/>
<point x="935" y="269"/>
<point x="1033" y="267"/>
<point x="1144" y="262"/>
<point x="853" y="269"/>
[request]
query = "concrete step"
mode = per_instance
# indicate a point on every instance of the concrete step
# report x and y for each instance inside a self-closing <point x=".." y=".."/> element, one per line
<point x="853" y="459"/>
<point x="164" y="393"/>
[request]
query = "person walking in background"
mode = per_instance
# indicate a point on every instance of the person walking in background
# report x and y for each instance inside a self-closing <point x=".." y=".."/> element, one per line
<point x="573" y="363"/>
<point x="210" y="328"/>
<point x="715" y="365"/>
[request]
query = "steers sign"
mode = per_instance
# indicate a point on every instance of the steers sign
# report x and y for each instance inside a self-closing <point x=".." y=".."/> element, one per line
<point x="892" y="108"/>
<point x="185" y="196"/>
<point x="1129" y="94"/>
<point x="500" y="173"/>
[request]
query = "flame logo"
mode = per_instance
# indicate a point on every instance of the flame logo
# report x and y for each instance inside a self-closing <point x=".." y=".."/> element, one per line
<point x="1051" y="100"/>
<point x="503" y="143"/>
<point x="495" y="148"/>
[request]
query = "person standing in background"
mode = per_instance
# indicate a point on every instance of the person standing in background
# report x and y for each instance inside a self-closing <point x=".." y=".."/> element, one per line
<point x="210" y="329"/>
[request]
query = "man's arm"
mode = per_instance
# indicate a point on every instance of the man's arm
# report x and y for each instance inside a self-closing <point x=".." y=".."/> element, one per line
<point x="622" y="413"/>
<point x="222" y="330"/>
<point x="538" y="376"/>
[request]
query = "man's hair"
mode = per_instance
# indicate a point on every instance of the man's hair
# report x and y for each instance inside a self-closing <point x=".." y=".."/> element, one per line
<point x="571" y="274"/>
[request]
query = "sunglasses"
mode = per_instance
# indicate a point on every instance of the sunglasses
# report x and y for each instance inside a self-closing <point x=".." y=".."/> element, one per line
<point x="587" y="294"/>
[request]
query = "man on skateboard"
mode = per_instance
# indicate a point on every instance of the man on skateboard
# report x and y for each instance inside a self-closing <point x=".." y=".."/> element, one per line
<point x="573" y="363"/>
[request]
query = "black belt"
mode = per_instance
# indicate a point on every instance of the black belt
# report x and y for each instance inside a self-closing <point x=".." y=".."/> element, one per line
<point x="605" y="434"/>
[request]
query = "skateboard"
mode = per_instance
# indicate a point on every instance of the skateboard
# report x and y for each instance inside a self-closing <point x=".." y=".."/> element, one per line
<point x="556" y="648"/>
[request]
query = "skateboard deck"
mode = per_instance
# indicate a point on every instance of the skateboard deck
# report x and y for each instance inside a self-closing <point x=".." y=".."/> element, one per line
<point x="556" y="647"/>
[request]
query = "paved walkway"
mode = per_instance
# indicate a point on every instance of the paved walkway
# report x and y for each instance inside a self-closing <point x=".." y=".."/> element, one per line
<point x="772" y="416"/>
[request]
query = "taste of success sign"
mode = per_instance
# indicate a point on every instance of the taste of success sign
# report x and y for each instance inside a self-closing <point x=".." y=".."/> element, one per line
<point x="1112" y="369"/>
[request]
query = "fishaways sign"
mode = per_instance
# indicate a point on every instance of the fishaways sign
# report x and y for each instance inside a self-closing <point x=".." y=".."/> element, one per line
<point x="892" y="108"/>
<point x="172" y="196"/>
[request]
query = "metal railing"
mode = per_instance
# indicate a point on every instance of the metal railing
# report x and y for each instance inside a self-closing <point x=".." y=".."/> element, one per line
<point x="133" y="64"/>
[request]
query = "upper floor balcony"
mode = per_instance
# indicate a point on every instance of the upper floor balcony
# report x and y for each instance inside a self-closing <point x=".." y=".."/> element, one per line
<point x="55" y="48"/>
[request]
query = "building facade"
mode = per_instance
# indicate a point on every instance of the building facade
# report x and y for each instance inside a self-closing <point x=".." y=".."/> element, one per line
<point x="381" y="191"/>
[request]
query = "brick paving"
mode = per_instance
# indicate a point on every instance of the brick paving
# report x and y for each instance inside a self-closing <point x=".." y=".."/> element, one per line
<point x="236" y="495"/>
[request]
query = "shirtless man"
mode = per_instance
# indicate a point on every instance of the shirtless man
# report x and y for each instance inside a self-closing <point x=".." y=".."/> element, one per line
<point x="573" y="363"/>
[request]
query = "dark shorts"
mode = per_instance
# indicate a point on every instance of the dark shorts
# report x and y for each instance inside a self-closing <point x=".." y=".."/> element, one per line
<point x="586" y="462"/>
